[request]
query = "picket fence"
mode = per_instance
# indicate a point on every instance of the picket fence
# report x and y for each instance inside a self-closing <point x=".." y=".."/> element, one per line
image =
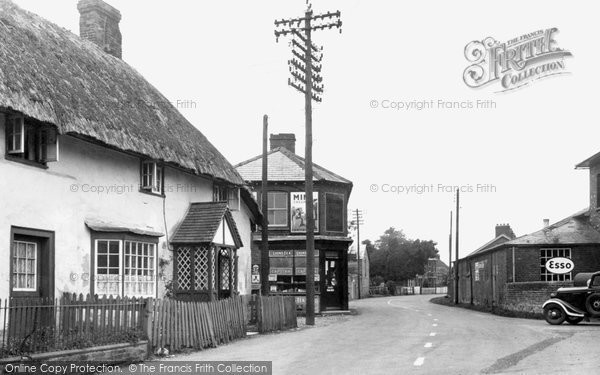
<point x="177" y="325"/>
<point x="276" y="313"/>
<point x="77" y="321"/>
<point x="73" y="321"/>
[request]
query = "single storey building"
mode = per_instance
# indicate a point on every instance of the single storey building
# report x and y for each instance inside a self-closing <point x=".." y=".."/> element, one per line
<point x="516" y="273"/>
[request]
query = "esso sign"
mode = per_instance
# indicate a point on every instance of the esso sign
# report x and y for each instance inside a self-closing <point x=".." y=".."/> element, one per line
<point x="560" y="265"/>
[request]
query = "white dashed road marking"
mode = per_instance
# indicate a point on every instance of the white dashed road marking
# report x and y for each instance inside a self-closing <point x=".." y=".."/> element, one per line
<point x="419" y="361"/>
<point x="435" y="320"/>
<point x="428" y="345"/>
<point x="432" y="334"/>
<point x="434" y="324"/>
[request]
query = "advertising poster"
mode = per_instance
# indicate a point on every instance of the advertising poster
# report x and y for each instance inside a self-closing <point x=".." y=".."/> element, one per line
<point x="298" y="212"/>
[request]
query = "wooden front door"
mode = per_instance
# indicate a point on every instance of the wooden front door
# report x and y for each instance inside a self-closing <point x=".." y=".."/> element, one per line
<point x="31" y="282"/>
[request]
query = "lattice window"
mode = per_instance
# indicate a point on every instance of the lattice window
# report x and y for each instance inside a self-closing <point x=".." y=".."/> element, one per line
<point x="201" y="268"/>
<point x="213" y="257"/>
<point x="184" y="268"/>
<point x="234" y="262"/>
<point x="225" y="268"/>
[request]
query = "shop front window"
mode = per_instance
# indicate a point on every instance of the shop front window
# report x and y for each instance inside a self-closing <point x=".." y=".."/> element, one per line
<point x="287" y="273"/>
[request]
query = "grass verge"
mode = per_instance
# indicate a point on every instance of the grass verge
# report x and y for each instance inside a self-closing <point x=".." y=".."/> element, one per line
<point x="446" y="301"/>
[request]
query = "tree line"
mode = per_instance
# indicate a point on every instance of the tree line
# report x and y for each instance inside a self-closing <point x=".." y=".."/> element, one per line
<point x="394" y="257"/>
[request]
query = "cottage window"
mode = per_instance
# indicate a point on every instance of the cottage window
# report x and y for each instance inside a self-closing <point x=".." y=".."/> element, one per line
<point x="547" y="254"/>
<point x="24" y="278"/>
<point x="277" y="208"/>
<point x="334" y="212"/>
<point x="125" y="268"/>
<point x="139" y="268"/>
<point x="29" y="141"/>
<point x="227" y="194"/>
<point x="152" y="177"/>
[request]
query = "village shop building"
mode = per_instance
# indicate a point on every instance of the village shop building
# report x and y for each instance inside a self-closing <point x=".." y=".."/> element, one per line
<point x="512" y="273"/>
<point x="287" y="231"/>
<point x="107" y="189"/>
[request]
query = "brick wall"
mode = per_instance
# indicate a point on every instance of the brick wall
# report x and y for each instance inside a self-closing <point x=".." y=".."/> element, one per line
<point x="528" y="293"/>
<point x="527" y="264"/>
<point x="528" y="297"/>
<point x="99" y="23"/>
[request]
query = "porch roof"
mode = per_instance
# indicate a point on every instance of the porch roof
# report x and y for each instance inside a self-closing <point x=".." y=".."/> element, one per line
<point x="203" y="222"/>
<point x="104" y="225"/>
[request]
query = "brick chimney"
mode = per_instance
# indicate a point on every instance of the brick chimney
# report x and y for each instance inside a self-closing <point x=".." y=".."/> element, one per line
<point x="506" y="230"/>
<point x="286" y="140"/>
<point x="99" y="23"/>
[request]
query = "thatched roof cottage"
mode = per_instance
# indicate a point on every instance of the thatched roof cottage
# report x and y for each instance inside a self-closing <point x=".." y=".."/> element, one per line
<point x="99" y="171"/>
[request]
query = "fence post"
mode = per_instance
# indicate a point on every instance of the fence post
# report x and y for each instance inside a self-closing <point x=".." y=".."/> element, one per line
<point x="148" y="322"/>
<point x="259" y="313"/>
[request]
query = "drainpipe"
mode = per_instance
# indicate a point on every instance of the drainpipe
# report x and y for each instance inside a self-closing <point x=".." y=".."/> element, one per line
<point x="471" y="283"/>
<point x="492" y="275"/>
<point x="514" y="278"/>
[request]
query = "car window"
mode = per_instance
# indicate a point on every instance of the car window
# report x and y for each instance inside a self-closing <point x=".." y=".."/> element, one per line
<point x="596" y="281"/>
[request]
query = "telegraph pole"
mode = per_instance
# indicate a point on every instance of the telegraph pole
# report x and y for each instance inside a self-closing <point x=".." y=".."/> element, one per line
<point x="264" y="254"/>
<point x="450" y="254"/>
<point x="358" y="219"/>
<point x="305" y="68"/>
<point x="456" y="249"/>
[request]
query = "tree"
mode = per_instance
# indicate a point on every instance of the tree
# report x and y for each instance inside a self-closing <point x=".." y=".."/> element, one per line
<point x="396" y="258"/>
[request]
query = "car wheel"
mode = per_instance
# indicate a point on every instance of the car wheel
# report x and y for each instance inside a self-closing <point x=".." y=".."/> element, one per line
<point x="554" y="314"/>
<point x="573" y="319"/>
<point x="592" y="304"/>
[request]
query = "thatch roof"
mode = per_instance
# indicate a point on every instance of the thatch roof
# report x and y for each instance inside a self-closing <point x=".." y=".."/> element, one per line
<point x="52" y="75"/>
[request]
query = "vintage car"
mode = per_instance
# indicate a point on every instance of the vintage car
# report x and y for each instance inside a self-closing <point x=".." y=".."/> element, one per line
<point x="574" y="304"/>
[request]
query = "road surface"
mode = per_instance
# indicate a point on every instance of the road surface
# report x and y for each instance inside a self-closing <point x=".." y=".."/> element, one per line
<point x="410" y="335"/>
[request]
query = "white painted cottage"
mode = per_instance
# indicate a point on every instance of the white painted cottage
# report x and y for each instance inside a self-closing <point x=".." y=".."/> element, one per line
<point x="99" y="173"/>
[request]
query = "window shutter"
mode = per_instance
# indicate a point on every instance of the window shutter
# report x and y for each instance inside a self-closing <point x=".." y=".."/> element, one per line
<point x="53" y="146"/>
<point x="48" y="145"/>
<point x="233" y="199"/>
<point x="15" y="132"/>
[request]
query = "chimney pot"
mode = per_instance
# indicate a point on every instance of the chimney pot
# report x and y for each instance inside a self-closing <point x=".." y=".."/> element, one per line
<point x="506" y="230"/>
<point x="546" y="223"/>
<point x="285" y="140"/>
<point x="99" y="23"/>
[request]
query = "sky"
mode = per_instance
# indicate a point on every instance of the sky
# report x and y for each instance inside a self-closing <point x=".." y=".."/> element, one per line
<point x="515" y="161"/>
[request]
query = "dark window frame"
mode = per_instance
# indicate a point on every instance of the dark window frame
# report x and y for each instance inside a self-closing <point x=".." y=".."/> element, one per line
<point x="38" y="141"/>
<point x="47" y="245"/>
<point x="157" y="166"/>
<point x="229" y="194"/>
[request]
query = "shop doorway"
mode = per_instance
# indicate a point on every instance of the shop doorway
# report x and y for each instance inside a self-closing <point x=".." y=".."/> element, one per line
<point x="332" y="298"/>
